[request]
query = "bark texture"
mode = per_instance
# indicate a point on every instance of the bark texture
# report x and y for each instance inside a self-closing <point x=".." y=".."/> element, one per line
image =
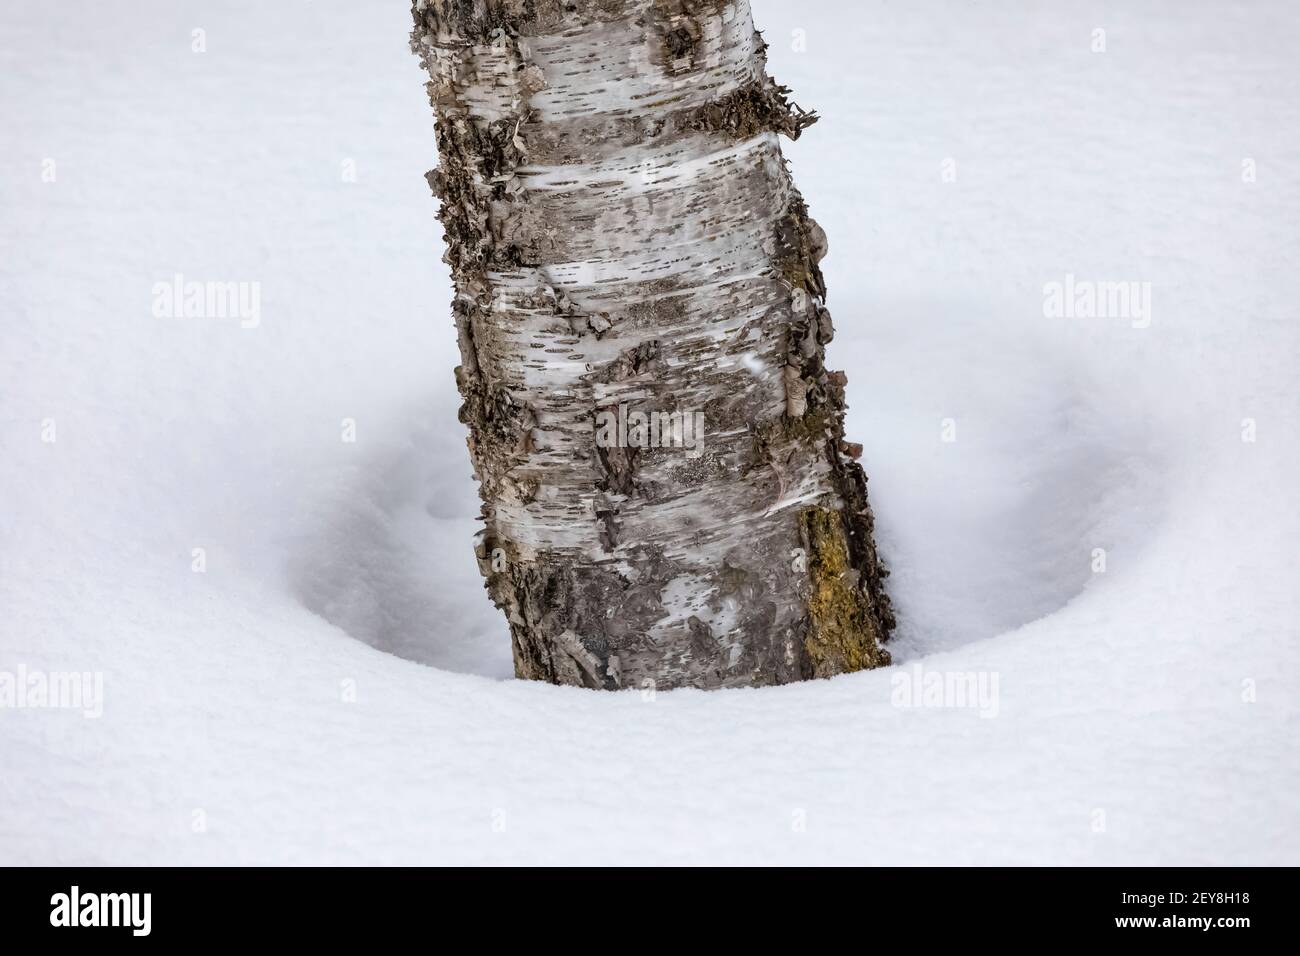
<point x="624" y="235"/>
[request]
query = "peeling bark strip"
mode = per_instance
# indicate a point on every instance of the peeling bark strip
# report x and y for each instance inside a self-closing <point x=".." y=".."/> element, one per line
<point x="627" y="246"/>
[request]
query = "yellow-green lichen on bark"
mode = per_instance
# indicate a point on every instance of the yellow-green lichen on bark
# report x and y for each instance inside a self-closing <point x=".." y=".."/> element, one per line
<point x="844" y="633"/>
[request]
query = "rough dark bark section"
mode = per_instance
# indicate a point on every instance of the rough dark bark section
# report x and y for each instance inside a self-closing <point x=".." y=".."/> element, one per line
<point x="622" y="232"/>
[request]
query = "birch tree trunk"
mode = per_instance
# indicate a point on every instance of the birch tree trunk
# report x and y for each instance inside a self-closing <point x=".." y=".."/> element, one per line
<point x="668" y="496"/>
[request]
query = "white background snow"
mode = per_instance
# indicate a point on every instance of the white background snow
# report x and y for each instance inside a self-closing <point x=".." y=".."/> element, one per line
<point x="1147" y="714"/>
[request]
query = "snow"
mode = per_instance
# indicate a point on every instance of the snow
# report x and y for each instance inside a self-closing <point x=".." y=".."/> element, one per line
<point x="334" y="686"/>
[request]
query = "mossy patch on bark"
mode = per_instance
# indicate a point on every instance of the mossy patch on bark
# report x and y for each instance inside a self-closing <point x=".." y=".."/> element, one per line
<point x="844" y="630"/>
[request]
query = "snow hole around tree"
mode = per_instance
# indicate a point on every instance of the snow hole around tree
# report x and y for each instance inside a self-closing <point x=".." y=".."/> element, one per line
<point x="1005" y="473"/>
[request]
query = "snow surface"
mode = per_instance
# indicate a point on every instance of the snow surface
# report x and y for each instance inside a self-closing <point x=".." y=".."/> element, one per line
<point x="1147" y="714"/>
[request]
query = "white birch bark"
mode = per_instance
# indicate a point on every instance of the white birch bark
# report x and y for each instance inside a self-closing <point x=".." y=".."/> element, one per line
<point x="624" y="238"/>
